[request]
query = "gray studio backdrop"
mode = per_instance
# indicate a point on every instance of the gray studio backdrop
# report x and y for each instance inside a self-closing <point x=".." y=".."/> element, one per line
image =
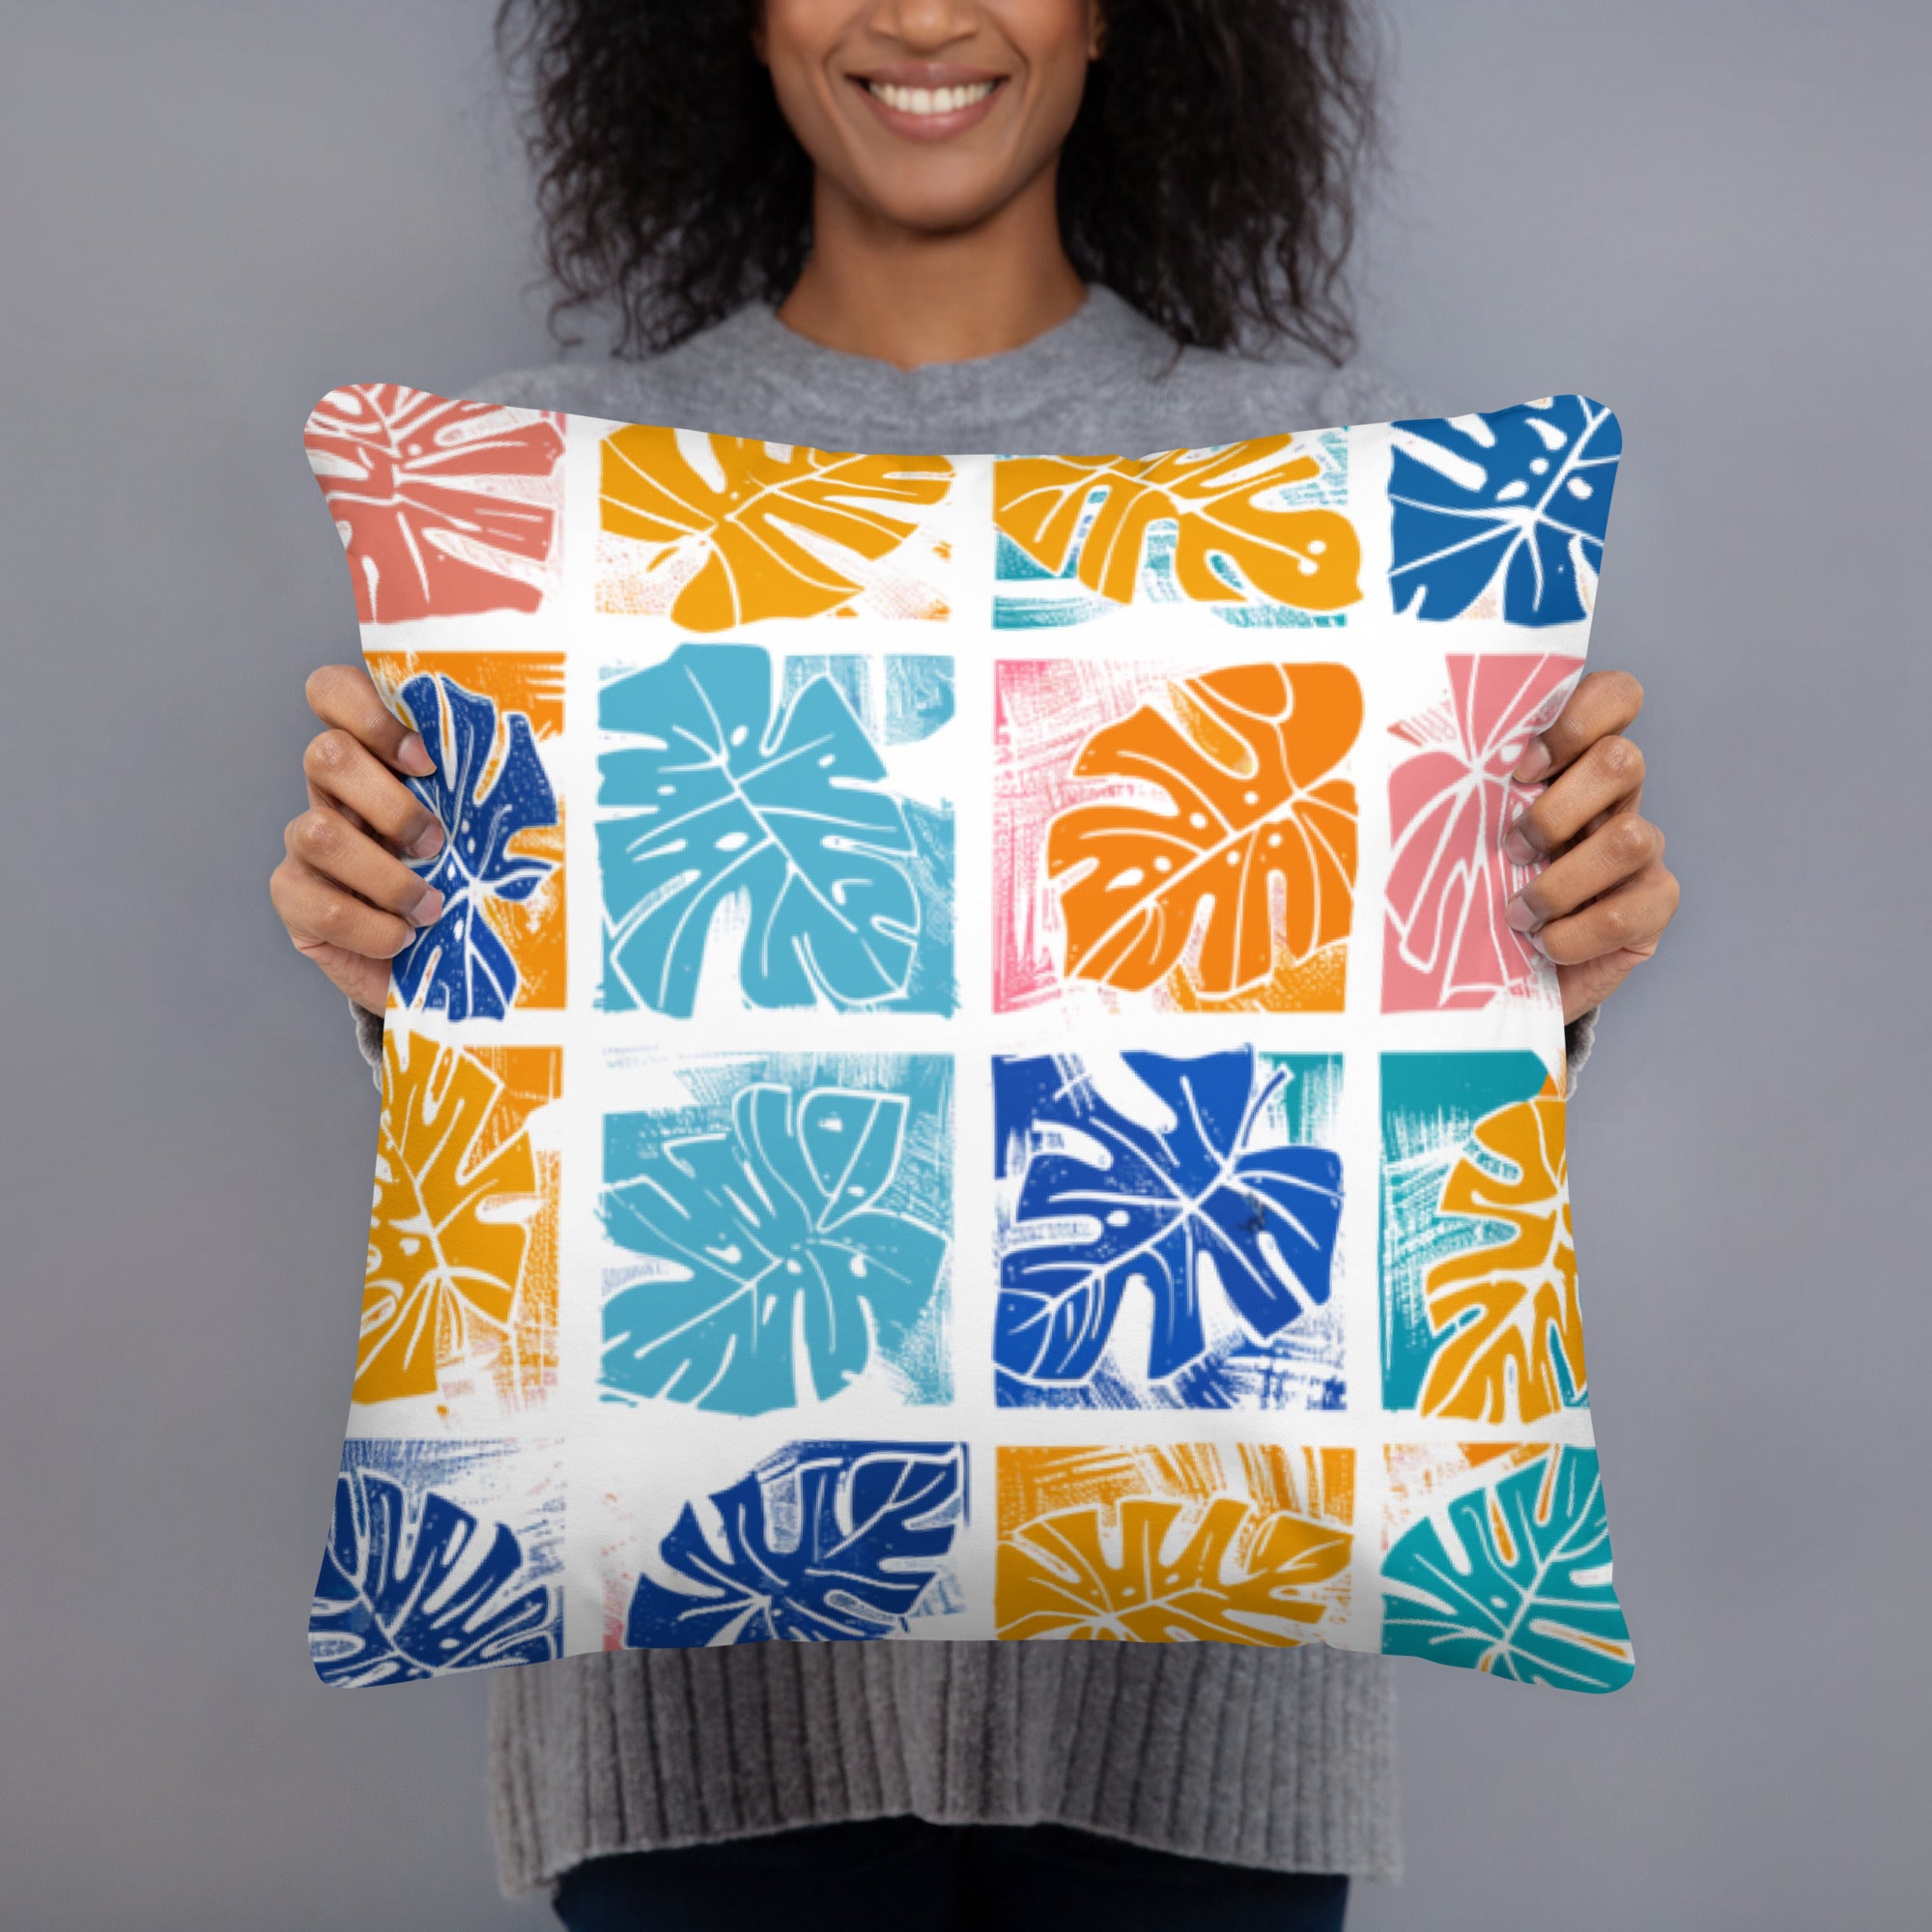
<point x="1711" y="215"/>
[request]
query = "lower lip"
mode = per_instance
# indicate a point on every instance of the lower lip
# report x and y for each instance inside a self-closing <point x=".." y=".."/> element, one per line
<point x="930" y="126"/>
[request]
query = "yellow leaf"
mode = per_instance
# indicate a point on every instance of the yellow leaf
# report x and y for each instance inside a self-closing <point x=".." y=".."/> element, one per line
<point x="1239" y="1574"/>
<point x="761" y="527"/>
<point x="1306" y="559"/>
<point x="461" y="1235"/>
<point x="1506" y="1314"/>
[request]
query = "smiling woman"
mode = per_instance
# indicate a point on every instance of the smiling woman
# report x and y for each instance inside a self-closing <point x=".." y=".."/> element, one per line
<point x="1028" y="227"/>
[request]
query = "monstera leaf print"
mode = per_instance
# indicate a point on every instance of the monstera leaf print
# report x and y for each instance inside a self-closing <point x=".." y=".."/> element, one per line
<point x="1450" y="800"/>
<point x="1520" y="497"/>
<point x="1522" y="1586"/>
<point x="445" y="508"/>
<point x="792" y="1272"/>
<point x="1107" y="1203"/>
<point x="769" y="521"/>
<point x="483" y="794"/>
<point x="1306" y="559"/>
<point x="869" y="1526"/>
<point x="1250" y="854"/>
<point x="452" y="1273"/>
<point x="1509" y="1334"/>
<point x="1237" y="1576"/>
<point x="398" y="1599"/>
<point x="717" y="803"/>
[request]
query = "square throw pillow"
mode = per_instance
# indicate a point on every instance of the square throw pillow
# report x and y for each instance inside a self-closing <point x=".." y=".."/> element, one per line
<point x="971" y="1081"/>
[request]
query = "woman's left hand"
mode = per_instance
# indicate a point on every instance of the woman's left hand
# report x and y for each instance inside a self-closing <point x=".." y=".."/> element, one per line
<point x="1599" y="908"/>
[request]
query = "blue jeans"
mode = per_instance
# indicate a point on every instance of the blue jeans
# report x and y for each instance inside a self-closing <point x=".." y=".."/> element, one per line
<point x="893" y="1873"/>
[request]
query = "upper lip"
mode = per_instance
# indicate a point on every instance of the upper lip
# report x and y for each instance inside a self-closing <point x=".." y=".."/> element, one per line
<point x="925" y="73"/>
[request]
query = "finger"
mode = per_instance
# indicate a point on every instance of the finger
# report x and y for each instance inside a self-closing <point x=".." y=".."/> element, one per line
<point x="346" y="696"/>
<point x="345" y="773"/>
<point x="1600" y="861"/>
<point x="1604" y="702"/>
<point x="366" y="981"/>
<point x="315" y="908"/>
<point x="1633" y="916"/>
<point x="326" y="844"/>
<point x="1607" y="779"/>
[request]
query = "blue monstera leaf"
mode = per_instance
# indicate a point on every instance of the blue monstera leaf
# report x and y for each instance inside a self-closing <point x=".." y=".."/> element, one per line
<point x="1107" y="1203"/>
<point x="717" y="802"/>
<point x="395" y="1602"/>
<point x="867" y="1525"/>
<point x="789" y="1268"/>
<point x="460" y="958"/>
<point x="1525" y="1592"/>
<point x="1521" y="496"/>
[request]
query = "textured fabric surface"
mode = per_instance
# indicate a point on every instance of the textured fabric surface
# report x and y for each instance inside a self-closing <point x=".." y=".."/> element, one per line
<point x="1264" y="1757"/>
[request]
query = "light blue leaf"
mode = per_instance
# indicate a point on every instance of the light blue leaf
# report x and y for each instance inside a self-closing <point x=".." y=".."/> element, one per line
<point x="781" y="1249"/>
<point x="869" y="1524"/>
<point x="1528" y="1593"/>
<point x="466" y="963"/>
<point x="394" y="1602"/>
<point x="1106" y="1203"/>
<point x="1522" y="494"/>
<point x="719" y="801"/>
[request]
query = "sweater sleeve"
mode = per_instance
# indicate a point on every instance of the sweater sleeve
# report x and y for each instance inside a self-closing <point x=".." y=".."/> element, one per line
<point x="369" y="1039"/>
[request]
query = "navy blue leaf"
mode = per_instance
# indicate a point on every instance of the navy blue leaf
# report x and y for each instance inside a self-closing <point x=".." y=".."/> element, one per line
<point x="468" y="967"/>
<point x="394" y="1604"/>
<point x="867" y="1526"/>
<point x="1176" y="1211"/>
<point x="1522" y="494"/>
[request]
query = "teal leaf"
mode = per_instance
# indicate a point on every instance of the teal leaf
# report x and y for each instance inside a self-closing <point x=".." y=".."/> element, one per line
<point x="867" y="1526"/>
<point x="721" y="800"/>
<point x="789" y="1266"/>
<point x="1526" y="1591"/>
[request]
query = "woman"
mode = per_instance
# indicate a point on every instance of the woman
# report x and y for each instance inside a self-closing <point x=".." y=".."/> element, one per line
<point x="976" y="225"/>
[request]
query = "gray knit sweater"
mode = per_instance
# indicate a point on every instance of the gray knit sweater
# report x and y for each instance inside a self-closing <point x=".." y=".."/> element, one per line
<point x="1257" y="1757"/>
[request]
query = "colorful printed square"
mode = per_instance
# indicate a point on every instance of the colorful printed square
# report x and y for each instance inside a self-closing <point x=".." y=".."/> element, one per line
<point x="446" y="509"/>
<point x="1171" y="841"/>
<point x="1448" y="944"/>
<point x="1167" y="1232"/>
<point x="719" y="531"/>
<point x="460" y="1290"/>
<point x="1185" y="1543"/>
<point x="1257" y="532"/>
<point x="1498" y="1559"/>
<point x="500" y="939"/>
<point x="1503" y="515"/>
<point x="441" y="1558"/>
<point x="1480" y="1315"/>
<point x="821" y="1541"/>
<point x="784" y="1222"/>
<point x="771" y="833"/>
<point x="458" y="1303"/>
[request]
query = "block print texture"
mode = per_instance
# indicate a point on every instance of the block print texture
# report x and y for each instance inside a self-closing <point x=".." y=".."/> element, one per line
<point x="971" y="1080"/>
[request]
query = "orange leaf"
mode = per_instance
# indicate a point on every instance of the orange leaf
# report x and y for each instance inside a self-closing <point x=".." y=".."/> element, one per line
<point x="1306" y="559"/>
<point x="1255" y="843"/>
<point x="764" y="524"/>
<point x="457" y="1184"/>
<point x="1055" y="1577"/>
<point x="1506" y="1312"/>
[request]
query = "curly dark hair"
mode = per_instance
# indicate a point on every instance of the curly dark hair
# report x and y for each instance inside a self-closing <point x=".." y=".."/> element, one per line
<point x="1210" y="178"/>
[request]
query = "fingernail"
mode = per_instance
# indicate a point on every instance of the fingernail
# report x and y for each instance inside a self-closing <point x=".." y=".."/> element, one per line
<point x="413" y="755"/>
<point x="1517" y="847"/>
<point x="1536" y="939"/>
<point x="427" y="909"/>
<point x="1533" y="763"/>
<point x="1519" y="916"/>
<point x="429" y="842"/>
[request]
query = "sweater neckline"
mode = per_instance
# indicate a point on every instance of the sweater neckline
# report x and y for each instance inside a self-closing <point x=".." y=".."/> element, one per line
<point x="1104" y="340"/>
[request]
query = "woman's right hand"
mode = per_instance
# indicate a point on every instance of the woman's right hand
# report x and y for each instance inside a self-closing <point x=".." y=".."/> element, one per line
<point x="346" y="899"/>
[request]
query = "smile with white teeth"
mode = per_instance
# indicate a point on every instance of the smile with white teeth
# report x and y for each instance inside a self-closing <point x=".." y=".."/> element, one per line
<point x="930" y="99"/>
